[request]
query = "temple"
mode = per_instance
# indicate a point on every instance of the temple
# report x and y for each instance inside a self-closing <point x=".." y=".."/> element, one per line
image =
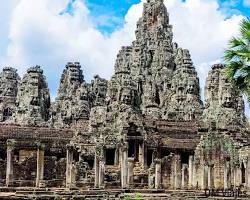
<point x="146" y="128"/>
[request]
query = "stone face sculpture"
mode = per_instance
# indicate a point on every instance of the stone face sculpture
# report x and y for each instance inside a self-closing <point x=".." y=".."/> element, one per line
<point x="72" y="103"/>
<point x="33" y="98"/>
<point x="160" y="75"/>
<point x="9" y="80"/>
<point x="98" y="90"/>
<point x="223" y="103"/>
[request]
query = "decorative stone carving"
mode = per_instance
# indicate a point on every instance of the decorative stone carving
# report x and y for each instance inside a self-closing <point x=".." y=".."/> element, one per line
<point x="9" y="80"/>
<point x="223" y="104"/>
<point x="73" y="101"/>
<point x="33" y="98"/>
<point x="98" y="89"/>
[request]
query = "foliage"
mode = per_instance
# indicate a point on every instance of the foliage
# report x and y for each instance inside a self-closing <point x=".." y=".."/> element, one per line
<point x="133" y="197"/>
<point x="237" y="58"/>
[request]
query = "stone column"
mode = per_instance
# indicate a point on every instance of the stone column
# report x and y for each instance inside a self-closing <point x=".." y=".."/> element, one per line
<point x="101" y="173"/>
<point x="177" y="172"/>
<point x="70" y="151"/>
<point x="210" y="177"/>
<point x="204" y="176"/>
<point x="190" y="171"/>
<point x="141" y="153"/>
<point x="145" y="157"/>
<point x="124" y="166"/>
<point x="184" y="176"/>
<point x="117" y="156"/>
<point x="40" y="165"/>
<point x="227" y="179"/>
<point x="131" y="171"/>
<point x="237" y="175"/>
<point x="248" y="173"/>
<point x="234" y="175"/>
<point x="9" y="166"/>
<point x="157" y="173"/>
<point x="97" y="166"/>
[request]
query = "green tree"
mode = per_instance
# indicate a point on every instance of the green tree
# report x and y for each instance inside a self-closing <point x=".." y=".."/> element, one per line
<point x="237" y="58"/>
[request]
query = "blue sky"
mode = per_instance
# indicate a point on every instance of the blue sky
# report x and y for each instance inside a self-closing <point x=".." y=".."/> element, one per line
<point x="117" y="9"/>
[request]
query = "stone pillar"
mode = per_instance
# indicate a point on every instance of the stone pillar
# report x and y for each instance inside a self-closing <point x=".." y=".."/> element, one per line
<point x="69" y="165"/>
<point x="237" y="175"/>
<point x="234" y="175"/>
<point x="124" y="166"/>
<point x="190" y="171"/>
<point x="210" y="176"/>
<point x="184" y="176"/>
<point x="9" y="166"/>
<point x="145" y="157"/>
<point x="204" y="176"/>
<point x="157" y="173"/>
<point x="141" y="153"/>
<point x="40" y="166"/>
<point x="97" y="166"/>
<point x="117" y="156"/>
<point x="101" y="173"/>
<point x="177" y="172"/>
<point x="131" y="172"/>
<point x="248" y="173"/>
<point x="227" y="179"/>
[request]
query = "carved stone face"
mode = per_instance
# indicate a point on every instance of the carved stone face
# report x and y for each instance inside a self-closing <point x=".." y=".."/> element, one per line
<point x="33" y="79"/>
<point x="126" y="97"/>
<point x="8" y="91"/>
<point x="102" y="90"/>
<point x="73" y="73"/>
<point x="191" y="88"/>
<point x="8" y="74"/>
<point x="82" y="93"/>
<point x="227" y="101"/>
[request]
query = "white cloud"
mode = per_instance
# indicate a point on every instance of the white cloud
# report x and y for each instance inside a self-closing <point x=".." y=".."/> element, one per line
<point x="41" y="36"/>
<point x="36" y="34"/>
<point x="203" y="29"/>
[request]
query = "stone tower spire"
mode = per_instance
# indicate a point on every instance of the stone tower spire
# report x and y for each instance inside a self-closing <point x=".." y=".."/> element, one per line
<point x="9" y="80"/>
<point x="158" y="76"/>
<point x="223" y="103"/>
<point x="72" y="101"/>
<point x="154" y="23"/>
<point x="33" y="98"/>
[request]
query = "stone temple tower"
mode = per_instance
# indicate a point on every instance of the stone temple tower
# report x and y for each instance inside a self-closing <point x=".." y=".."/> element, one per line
<point x="161" y="76"/>
<point x="223" y="103"/>
<point x="33" y="98"/>
<point x="9" y="80"/>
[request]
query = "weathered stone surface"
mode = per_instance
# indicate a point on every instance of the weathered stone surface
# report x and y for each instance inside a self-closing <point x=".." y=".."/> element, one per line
<point x="223" y="104"/>
<point x="33" y="99"/>
<point x="146" y="128"/>
<point x="75" y="97"/>
<point x="72" y="102"/>
<point x="9" y="80"/>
